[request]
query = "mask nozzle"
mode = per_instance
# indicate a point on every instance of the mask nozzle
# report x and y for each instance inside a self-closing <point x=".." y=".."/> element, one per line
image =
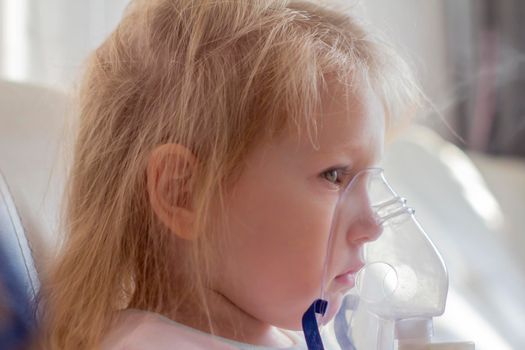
<point x="391" y="208"/>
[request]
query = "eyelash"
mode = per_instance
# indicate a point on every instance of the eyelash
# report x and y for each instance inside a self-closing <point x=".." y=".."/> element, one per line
<point x="342" y="173"/>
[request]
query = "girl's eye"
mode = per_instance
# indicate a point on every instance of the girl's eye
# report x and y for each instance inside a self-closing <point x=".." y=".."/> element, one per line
<point x="334" y="176"/>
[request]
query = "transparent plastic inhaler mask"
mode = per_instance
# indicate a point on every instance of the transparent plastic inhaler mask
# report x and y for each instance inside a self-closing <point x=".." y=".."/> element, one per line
<point x="399" y="276"/>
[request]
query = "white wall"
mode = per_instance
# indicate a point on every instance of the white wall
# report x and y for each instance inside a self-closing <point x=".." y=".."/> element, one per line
<point x="418" y="28"/>
<point x="45" y="42"/>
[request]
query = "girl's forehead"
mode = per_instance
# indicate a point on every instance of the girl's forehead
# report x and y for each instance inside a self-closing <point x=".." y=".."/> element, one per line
<point x="346" y="124"/>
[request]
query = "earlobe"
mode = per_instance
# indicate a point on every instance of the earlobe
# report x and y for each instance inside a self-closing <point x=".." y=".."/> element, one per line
<point x="169" y="171"/>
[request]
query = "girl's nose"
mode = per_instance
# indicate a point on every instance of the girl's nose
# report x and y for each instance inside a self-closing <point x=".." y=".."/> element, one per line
<point x="365" y="225"/>
<point x="366" y="228"/>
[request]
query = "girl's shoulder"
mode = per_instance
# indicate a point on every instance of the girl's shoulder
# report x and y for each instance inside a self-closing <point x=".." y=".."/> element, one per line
<point x="139" y="330"/>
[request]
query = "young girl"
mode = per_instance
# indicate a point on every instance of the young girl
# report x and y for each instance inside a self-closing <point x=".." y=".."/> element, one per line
<point x="214" y="139"/>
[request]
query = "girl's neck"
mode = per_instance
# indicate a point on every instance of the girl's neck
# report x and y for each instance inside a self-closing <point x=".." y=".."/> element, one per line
<point x="231" y="322"/>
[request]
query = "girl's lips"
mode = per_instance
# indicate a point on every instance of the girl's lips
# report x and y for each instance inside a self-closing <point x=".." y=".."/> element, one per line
<point x="347" y="279"/>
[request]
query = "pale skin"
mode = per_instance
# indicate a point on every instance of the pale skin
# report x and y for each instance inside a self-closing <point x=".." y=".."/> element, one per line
<point x="278" y="218"/>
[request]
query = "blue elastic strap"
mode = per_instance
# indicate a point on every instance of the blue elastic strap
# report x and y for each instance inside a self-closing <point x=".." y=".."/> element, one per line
<point x="310" y="327"/>
<point x="342" y="329"/>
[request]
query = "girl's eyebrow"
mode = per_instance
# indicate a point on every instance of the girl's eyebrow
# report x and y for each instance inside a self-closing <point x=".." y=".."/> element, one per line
<point x="359" y="157"/>
<point x="353" y="153"/>
<point x="349" y="150"/>
<point x="342" y="149"/>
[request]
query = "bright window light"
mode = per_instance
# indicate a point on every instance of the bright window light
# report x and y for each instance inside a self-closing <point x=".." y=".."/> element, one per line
<point x="14" y="48"/>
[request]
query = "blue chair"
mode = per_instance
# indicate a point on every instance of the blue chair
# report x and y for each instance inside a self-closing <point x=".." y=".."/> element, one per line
<point x="18" y="277"/>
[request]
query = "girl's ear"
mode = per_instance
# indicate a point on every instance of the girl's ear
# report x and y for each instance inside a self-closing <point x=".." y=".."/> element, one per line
<point x="169" y="173"/>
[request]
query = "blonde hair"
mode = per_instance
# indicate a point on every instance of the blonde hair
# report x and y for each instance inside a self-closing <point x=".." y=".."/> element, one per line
<point x="215" y="76"/>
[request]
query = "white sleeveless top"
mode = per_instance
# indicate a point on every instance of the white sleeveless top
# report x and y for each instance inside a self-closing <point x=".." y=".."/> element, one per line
<point x="141" y="330"/>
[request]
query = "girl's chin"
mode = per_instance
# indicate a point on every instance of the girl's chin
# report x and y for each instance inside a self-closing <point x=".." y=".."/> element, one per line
<point x="335" y="299"/>
<point x="334" y="304"/>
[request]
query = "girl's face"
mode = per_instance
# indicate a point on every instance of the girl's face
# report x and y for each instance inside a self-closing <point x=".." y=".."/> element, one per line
<point x="279" y="213"/>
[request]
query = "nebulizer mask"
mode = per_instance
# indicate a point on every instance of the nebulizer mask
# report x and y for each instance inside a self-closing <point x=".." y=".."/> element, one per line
<point x="383" y="280"/>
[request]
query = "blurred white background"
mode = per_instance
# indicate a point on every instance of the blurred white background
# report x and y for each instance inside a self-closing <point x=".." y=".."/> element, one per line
<point x="470" y="198"/>
<point x="45" y="41"/>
